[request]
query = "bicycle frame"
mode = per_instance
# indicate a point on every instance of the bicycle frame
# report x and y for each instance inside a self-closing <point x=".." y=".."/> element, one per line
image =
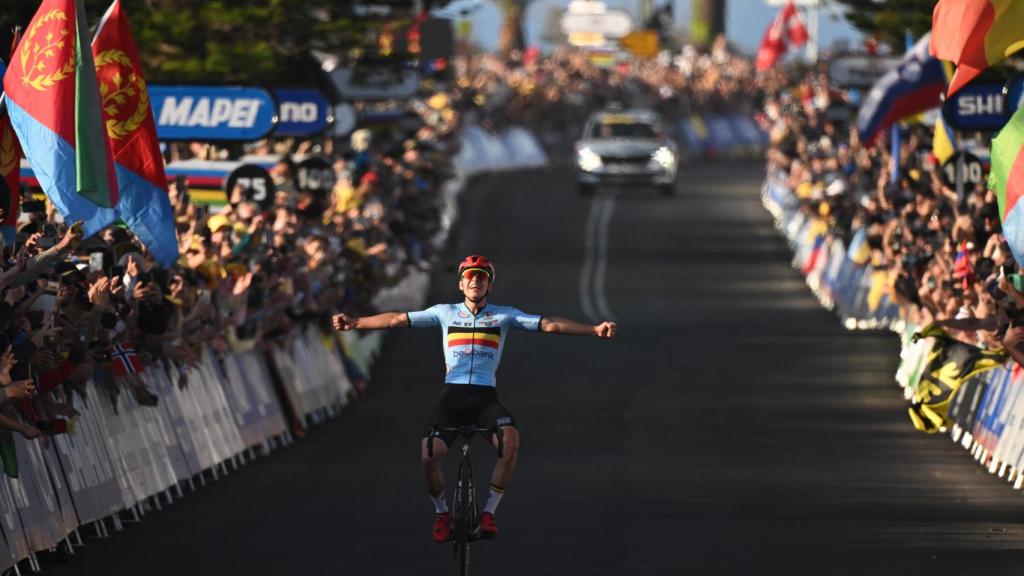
<point x="465" y="514"/>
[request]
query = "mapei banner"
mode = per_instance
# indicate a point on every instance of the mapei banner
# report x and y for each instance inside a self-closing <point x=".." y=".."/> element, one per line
<point x="301" y="112"/>
<point x="212" y="112"/>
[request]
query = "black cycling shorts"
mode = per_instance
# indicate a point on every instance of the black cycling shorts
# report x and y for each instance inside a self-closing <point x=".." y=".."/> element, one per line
<point x="468" y="405"/>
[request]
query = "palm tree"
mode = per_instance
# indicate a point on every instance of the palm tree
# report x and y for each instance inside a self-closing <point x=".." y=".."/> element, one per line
<point x="511" y="36"/>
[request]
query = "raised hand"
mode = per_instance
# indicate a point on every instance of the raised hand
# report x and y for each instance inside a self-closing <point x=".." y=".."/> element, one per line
<point x="606" y="330"/>
<point x="343" y="322"/>
<point x="20" y="390"/>
<point x="71" y="237"/>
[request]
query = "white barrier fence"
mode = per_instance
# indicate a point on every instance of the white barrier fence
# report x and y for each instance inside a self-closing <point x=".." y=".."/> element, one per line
<point x="512" y="149"/>
<point x="114" y="460"/>
<point x="985" y="413"/>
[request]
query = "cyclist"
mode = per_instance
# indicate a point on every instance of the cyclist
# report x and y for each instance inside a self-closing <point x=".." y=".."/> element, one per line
<point x="473" y="337"/>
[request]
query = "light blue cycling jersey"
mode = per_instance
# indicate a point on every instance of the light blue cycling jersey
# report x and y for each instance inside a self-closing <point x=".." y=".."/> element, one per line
<point x="472" y="344"/>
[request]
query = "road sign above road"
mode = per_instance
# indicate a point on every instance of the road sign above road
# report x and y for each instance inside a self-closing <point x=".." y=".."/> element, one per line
<point x="587" y="7"/>
<point x="612" y="23"/>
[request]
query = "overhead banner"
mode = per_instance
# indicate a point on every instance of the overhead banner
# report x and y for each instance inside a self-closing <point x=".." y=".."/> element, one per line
<point x="302" y="112"/>
<point x="860" y="70"/>
<point x="375" y="83"/>
<point x="212" y="112"/>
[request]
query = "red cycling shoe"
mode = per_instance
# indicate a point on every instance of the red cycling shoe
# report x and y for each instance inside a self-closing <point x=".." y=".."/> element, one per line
<point x="488" y="527"/>
<point x="443" y="527"/>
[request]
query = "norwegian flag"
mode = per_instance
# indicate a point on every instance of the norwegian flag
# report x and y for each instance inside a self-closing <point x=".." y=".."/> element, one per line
<point x="786" y="28"/>
<point x="125" y="360"/>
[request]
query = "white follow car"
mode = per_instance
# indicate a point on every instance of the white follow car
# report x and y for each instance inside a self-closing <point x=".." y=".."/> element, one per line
<point x="625" y="147"/>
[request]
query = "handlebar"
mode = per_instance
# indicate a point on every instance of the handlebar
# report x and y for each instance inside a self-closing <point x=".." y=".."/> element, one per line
<point x="467" y="433"/>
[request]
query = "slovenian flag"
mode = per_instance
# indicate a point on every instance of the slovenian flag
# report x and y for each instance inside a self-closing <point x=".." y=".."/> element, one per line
<point x="54" y="104"/>
<point x="914" y="86"/>
<point x="975" y="34"/>
<point x="1007" y="180"/>
<point x="144" y="205"/>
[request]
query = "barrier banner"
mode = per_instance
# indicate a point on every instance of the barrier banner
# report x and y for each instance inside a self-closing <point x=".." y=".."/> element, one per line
<point x="16" y="545"/>
<point x="989" y="408"/>
<point x="6" y="555"/>
<point x="1006" y="425"/>
<point x="175" y="403"/>
<point x="86" y="459"/>
<point x="963" y="408"/>
<point x="482" y="151"/>
<point x="35" y="499"/>
<point x="163" y="386"/>
<point x="257" y="414"/>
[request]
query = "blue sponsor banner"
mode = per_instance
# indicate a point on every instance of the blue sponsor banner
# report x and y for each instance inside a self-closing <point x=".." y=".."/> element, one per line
<point x="981" y="106"/>
<point x="693" y="134"/>
<point x="1015" y="94"/>
<point x="212" y="112"/>
<point x="301" y="112"/>
<point x="720" y="133"/>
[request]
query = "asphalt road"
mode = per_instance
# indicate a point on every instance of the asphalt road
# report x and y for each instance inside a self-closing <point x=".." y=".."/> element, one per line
<point x="732" y="428"/>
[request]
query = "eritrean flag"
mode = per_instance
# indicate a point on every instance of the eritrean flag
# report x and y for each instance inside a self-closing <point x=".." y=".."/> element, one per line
<point x="490" y="337"/>
<point x="975" y="34"/>
<point x="144" y="205"/>
<point x="54" y="104"/>
<point x="1007" y="180"/>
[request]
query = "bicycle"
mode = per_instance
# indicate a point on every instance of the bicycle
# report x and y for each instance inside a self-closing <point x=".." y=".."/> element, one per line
<point x="465" y="513"/>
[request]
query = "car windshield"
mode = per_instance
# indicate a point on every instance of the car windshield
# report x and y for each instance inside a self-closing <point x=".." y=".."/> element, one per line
<point x="623" y="130"/>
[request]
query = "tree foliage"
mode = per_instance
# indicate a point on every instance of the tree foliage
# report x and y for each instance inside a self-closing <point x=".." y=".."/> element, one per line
<point x="891" y="20"/>
<point x="511" y="36"/>
<point x="267" y="41"/>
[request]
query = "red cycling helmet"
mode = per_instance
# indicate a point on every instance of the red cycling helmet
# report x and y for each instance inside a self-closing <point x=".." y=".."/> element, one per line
<point x="477" y="262"/>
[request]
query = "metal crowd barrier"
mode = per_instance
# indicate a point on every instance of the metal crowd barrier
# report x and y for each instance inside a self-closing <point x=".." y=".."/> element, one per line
<point x="986" y="411"/>
<point x="843" y="283"/>
<point x="717" y="135"/>
<point x="137" y="458"/>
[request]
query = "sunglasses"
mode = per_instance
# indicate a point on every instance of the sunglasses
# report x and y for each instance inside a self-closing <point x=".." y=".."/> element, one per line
<point x="476" y="275"/>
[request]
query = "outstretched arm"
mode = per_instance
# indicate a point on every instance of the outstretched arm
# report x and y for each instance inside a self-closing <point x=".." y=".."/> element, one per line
<point x="565" y="326"/>
<point x="375" y="322"/>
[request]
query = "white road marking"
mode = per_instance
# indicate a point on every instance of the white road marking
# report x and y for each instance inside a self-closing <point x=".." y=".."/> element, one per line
<point x="595" y="258"/>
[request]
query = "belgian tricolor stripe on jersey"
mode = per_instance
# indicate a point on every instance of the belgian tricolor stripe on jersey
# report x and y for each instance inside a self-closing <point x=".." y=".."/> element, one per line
<point x="474" y="336"/>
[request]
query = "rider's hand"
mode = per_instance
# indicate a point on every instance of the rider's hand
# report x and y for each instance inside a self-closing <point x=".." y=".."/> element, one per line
<point x="606" y="330"/>
<point x="343" y="322"/>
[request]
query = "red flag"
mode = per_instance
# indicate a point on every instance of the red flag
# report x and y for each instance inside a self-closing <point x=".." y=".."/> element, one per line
<point x="125" y="360"/>
<point x="126" y="109"/>
<point x="786" y="25"/>
<point x="975" y="34"/>
<point x="10" y="161"/>
<point x="128" y="116"/>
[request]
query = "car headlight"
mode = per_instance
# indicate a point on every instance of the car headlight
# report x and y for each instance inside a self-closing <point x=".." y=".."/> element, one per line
<point x="588" y="160"/>
<point x="664" y="157"/>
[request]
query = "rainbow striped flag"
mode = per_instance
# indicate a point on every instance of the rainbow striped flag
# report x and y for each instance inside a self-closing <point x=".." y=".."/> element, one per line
<point x="1007" y="180"/>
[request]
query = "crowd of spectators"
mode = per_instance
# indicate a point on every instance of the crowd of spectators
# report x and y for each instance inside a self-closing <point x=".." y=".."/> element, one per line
<point x="556" y="93"/>
<point x="939" y="255"/>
